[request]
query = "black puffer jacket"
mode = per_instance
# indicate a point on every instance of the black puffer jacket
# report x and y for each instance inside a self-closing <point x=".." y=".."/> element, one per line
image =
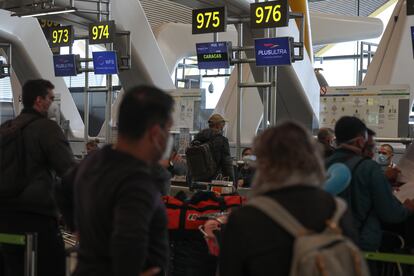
<point x="221" y="150"/>
<point x="47" y="154"/>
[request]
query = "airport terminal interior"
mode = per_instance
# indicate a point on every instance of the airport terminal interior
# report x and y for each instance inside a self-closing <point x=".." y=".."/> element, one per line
<point x="245" y="70"/>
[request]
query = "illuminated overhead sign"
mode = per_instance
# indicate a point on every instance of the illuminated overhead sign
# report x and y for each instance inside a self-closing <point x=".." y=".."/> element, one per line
<point x="102" y="32"/>
<point x="64" y="65"/>
<point x="209" y="20"/>
<point x="213" y="55"/>
<point x="273" y="51"/>
<point x="61" y="36"/>
<point x="105" y="63"/>
<point x="410" y="7"/>
<point x="271" y="14"/>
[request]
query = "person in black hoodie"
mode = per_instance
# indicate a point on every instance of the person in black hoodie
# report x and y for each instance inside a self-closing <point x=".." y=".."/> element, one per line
<point x="118" y="210"/>
<point x="46" y="155"/>
<point x="219" y="145"/>
<point x="289" y="170"/>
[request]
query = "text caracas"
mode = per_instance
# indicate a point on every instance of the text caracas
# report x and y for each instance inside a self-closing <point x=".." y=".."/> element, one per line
<point x="212" y="56"/>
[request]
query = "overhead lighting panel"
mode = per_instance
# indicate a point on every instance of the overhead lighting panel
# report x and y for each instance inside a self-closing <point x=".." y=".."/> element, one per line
<point x="43" y="12"/>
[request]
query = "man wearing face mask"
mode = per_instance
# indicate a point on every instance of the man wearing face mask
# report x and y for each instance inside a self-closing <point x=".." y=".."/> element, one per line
<point x="369" y="194"/>
<point x="32" y="209"/>
<point x="385" y="155"/>
<point x="120" y="217"/>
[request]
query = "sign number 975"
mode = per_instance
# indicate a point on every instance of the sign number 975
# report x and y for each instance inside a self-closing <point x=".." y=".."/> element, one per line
<point x="205" y="19"/>
<point x="209" y="20"/>
<point x="267" y="13"/>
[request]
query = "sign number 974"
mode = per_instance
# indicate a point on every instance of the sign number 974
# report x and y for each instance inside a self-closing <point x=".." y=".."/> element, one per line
<point x="209" y="20"/>
<point x="100" y="32"/>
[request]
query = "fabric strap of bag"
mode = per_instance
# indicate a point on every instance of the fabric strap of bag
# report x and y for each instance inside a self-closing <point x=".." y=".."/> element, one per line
<point x="278" y="214"/>
<point x="282" y="217"/>
<point x="339" y="210"/>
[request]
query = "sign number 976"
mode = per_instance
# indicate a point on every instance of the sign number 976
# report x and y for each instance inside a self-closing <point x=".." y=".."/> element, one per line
<point x="270" y="14"/>
<point x="267" y="13"/>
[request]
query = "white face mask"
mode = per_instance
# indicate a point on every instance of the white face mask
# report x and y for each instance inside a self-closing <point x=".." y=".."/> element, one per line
<point x="168" y="148"/>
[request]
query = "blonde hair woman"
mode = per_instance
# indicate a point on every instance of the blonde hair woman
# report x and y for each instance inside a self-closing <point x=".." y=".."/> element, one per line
<point x="289" y="170"/>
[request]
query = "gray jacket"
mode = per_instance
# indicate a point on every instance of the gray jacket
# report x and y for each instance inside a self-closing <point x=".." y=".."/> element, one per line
<point x="221" y="150"/>
<point x="47" y="155"/>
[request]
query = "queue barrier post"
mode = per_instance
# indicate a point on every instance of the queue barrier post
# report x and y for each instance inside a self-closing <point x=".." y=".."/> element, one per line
<point x="29" y="242"/>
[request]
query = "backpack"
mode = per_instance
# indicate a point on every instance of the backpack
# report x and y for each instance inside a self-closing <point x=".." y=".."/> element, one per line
<point x="325" y="253"/>
<point x="12" y="156"/>
<point x="340" y="172"/>
<point x="200" y="161"/>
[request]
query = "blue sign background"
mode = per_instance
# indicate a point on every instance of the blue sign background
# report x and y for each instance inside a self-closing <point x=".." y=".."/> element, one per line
<point x="213" y="48"/>
<point x="64" y="65"/>
<point x="273" y="51"/>
<point x="105" y="63"/>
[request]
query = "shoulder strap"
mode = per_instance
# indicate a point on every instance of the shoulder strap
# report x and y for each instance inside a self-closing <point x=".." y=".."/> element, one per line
<point x="339" y="211"/>
<point x="278" y="214"/>
<point x="354" y="162"/>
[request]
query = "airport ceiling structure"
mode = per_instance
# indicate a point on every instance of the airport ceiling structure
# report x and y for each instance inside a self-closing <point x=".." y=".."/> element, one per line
<point x="164" y="11"/>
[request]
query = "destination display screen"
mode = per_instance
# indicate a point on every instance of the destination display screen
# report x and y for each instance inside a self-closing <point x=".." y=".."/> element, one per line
<point x="271" y="14"/>
<point x="209" y="20"/>
<point x="213" y="55"/>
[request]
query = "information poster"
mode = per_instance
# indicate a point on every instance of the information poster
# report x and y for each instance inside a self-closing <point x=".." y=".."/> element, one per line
<point x="185" y="107"/>
<point x="377" y="106"/>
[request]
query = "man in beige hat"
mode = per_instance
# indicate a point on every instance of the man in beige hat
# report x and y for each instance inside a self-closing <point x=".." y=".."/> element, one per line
<point x="219" y="146"/>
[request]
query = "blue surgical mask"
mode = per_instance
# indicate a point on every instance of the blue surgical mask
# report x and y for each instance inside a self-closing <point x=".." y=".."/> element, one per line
<point x="383" y="160"/>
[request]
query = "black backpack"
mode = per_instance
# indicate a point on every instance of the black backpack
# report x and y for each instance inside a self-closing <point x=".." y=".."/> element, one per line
<point x="12" y="156"/>
<point x="200" y="161"/>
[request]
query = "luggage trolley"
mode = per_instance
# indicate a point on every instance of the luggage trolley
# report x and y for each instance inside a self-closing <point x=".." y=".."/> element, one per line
<point x="29" y="242"/>
<point x="71" y="248"/>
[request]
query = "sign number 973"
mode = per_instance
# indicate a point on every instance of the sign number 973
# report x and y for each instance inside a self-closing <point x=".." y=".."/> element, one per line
<point x="61" y="36"/>
<point x="209" y="20"/>
<point x="271" y="14"/>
